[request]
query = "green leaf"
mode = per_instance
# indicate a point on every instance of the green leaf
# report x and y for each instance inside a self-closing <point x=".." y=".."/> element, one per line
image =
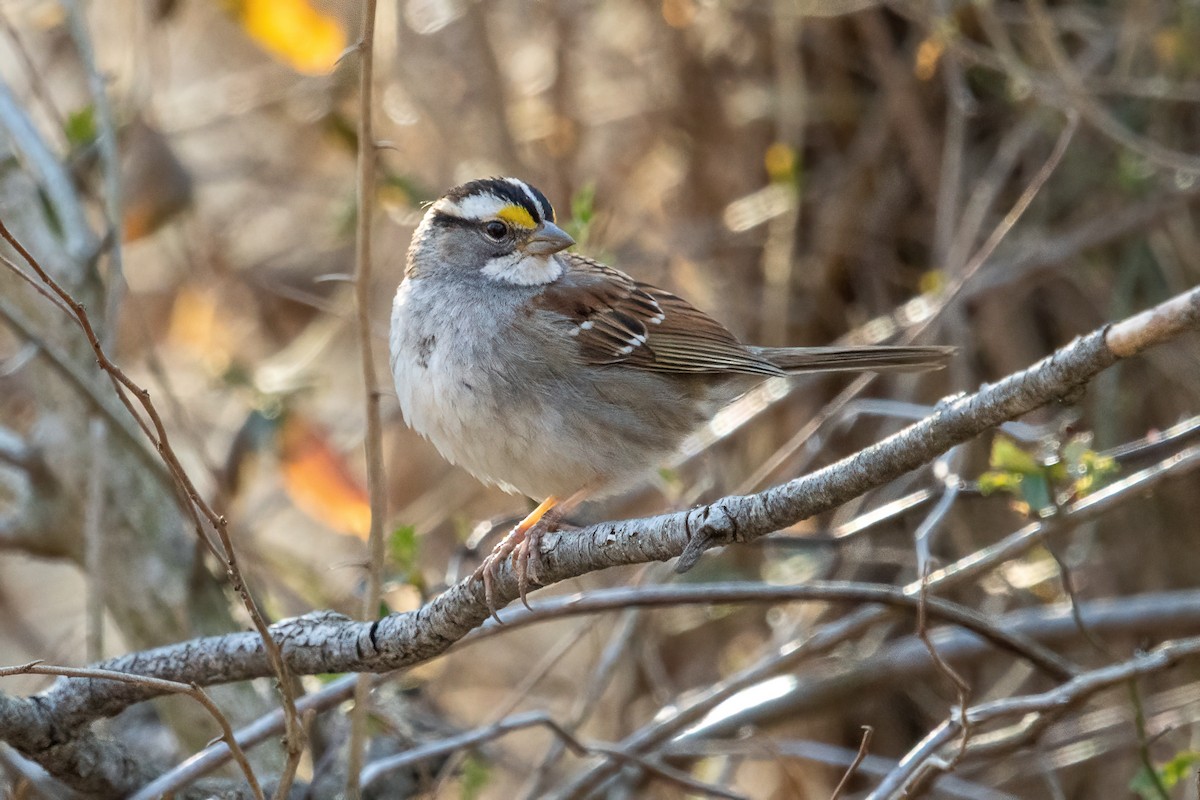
<point x="1086" y="469"/>
<point x="1035" y="491"/>
<point x="1010" y="458"/>
<point x="1149" y="785"/>
<point x="80" y="127"/>
<point x="402" y="549"/>
<point x="1179" y="768"/>
<point x="995" y="481"/>
<point x="583" y="213"/>
<point x="325" y="678"/>
<point x="475" y="775"/>
<point x="1144" y="786"/>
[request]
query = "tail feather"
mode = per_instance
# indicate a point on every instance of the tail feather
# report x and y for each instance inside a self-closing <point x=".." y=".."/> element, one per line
<point x="880" y="358"/>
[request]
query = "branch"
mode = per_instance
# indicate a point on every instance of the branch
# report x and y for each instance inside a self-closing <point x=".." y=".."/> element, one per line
<point x="171" y="687"/>
<point x="922" y="763"/>
<point x="327" y="642"/>
<point x="373" y="443"/>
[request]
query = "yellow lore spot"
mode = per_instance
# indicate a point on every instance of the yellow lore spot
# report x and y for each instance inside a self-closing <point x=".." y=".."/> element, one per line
<point x="517" y="216"/>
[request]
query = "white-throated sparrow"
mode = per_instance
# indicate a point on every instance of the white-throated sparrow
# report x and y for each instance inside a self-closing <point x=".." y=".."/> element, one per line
<point x="555" y="376"/>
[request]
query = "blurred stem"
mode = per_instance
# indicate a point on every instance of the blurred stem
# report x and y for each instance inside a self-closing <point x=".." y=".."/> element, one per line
<point x="949" y="197"/>
<point x="51" y="174"/>
<point x="779" y="256"/>
<point x="374" y="432"/>
<point x="94" y="510"/>
<point x="1143" y="741"/>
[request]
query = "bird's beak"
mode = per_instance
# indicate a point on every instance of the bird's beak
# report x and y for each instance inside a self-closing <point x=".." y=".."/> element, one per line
<point x="548" y="239"/>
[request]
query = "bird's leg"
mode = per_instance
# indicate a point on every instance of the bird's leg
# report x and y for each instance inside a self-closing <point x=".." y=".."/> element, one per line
<point x="525" y="541"/>
<point x="488" y="570"/>
<point x="528" y="558"/>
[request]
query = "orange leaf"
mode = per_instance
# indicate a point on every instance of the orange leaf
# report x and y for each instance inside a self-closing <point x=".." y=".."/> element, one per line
<point x="319" y="481"/>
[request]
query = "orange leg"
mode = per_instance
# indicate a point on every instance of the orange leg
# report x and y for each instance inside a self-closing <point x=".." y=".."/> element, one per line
<point x="524" y="540"/>
<point x="518" y="539"/>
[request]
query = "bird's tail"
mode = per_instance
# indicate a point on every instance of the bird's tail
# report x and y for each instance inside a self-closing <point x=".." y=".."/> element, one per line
<point x="881" y="358"/>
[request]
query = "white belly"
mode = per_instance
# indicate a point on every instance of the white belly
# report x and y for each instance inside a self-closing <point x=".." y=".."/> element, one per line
<point x="509" y="410"/>
<point x="453" y="390"/>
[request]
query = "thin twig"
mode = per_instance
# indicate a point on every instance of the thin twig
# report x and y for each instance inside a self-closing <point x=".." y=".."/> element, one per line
<point x="96" y="501"/>
<point x="1168" y="611"/>
<point x="160" y="685"/>
<point x="948" y="295"/>
<point x="601" y="676"/>
<point x="36" y="81"/>
<point x="261" y="730"/>
<point x="864" y="747"/>
<point x="961" y="688"/>
<point x="373" y="444"/>
<point x="338" y="644"/>
<point x="65" y="367"/>
<point x="1044" y="708"/>
<point x="1070" y="91"/>
<point x="126" y="386"/>
<point x="474" y="738"/>
<point x="829" y="636"/>
<point x="907" y="598"/>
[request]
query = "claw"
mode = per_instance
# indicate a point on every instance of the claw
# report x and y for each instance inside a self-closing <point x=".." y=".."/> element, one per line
<point x="521" y="566"/>
<point x="521" y="540"/>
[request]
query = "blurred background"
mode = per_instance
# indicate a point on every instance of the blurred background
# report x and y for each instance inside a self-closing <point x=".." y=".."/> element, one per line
<point x="999" y="176"/>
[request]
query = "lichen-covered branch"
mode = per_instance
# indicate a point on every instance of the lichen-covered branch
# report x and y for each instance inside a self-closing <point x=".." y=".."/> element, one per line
<point x="327" y="642"/>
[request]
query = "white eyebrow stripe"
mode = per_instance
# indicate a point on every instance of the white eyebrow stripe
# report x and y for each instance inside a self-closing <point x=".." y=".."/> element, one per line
<point x="447" y="206"/>
<point x="524" y="187"/>
<point x="475" y="206"/>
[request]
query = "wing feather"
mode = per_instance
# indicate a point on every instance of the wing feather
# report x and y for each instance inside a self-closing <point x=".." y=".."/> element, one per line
<point x="618" y="320"/>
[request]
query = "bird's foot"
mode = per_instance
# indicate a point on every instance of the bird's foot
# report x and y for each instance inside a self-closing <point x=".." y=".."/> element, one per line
<point x="524" y="540"/>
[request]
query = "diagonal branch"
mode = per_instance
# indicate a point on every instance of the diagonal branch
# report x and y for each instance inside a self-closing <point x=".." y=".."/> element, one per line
<point x="327" y="642"/>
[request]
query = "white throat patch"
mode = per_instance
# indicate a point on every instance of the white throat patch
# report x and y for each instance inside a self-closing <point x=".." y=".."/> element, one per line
<point x="523" y="269"/>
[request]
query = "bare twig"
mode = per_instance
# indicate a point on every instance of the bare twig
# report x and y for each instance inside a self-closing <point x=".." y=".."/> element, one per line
<point x="788" y="657"/>
<point x="864" y="748"/>
<point x="376" y="482"/>
<point x="378" y="769"/>
<point x="261" y="730"/>
<point x="61" y="363"/>
<point x="106" y="140"/>
<point x="829" y="591"/>
<point x="37" y="82"/>
<point x="922" y="762"/>
<point x="900" y="661"/>
<point x="961" y="688"/>
<point x="158" y="685"/>
<point x="126" y="386"/>
<point x="1078" y="97"/>
<point x="601" y="676"/>
<point x="820" y="753"/>
<point x="952" y="291"/>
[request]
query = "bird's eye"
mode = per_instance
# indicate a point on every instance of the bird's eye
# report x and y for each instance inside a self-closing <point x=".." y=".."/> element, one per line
<point x="496" y="230"/>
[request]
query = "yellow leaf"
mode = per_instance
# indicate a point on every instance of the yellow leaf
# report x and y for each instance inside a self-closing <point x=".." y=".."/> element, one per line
<point x="780" y="162"/>
<point x="1168" y="45"/>
<point x="294" y="32"/>
<point x="1007" y="456"/>
<point x="929" y="53"/>
<point x="200" y="324"/>
<point x="932" y="281"/>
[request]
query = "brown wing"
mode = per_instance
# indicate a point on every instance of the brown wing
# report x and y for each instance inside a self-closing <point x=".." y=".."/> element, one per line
<point x="622" y="321"/>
